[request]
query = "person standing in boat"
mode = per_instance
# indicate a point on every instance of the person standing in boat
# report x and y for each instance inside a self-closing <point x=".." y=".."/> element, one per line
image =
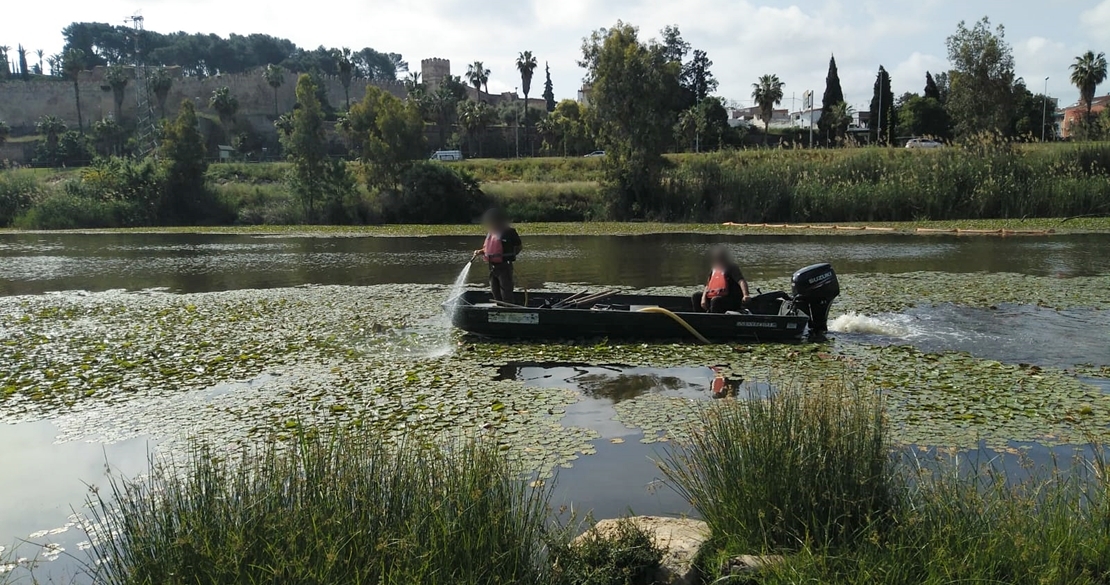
<point x="500" y="251"/>
<point x="726" y="290"/>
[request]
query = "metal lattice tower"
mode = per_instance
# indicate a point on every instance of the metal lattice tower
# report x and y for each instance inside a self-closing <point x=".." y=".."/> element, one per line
<point x="146" y="132"/>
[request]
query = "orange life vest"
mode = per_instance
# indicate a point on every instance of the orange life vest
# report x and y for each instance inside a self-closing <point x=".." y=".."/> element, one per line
<point x="718" y="284"/>
<point x="495" y="251"/>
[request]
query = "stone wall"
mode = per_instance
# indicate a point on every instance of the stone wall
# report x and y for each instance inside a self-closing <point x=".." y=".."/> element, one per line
<point x="23" y="103"/>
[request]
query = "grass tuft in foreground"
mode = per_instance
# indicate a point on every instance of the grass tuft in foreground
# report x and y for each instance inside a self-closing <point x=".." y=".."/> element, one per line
<point x="341" y="509"/>
<point x="812" y="474"/>
<point x="801" y="467"/>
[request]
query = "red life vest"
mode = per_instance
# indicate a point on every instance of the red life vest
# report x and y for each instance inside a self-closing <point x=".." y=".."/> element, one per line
<point x="495" y="251"/>
<point x="718" y="284"/>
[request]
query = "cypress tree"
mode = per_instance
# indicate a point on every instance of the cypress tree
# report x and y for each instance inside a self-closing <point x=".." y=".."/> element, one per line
<point x="549" y="90"/>
<point x="931" y="89"/>
<point x="883" y="97"/>
<point x="833" y="96"/>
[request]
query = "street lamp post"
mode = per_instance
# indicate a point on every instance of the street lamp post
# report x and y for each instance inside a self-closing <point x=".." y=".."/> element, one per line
<point x="518" y="130"/>
<point x="1044" y="110"/>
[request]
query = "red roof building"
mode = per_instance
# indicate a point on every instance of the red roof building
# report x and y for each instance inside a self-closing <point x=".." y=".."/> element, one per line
<point x="1075" y="114"/>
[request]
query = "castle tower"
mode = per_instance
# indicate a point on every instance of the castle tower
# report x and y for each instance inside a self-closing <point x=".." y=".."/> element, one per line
<point x="434" y="71"/>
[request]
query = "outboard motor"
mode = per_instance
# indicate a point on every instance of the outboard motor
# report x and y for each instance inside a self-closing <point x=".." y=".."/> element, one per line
<point x="815" y="287"/>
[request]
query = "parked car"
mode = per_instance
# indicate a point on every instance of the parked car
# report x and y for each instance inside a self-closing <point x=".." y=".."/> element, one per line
<point x="595" y="153"/>
<point x="447" y="155"/>
<point x="923" y="143"/>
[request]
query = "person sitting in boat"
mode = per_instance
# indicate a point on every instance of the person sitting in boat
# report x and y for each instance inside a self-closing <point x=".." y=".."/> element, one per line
<point x="726" y="289"/>
<point x="500" y="251"/>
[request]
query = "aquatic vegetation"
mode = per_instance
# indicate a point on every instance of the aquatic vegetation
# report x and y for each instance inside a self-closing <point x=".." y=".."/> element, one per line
<point x="335" y="507"/>
<point x="807" y="465"/>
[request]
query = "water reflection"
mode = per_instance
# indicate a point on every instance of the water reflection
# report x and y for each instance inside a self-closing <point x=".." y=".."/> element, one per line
<point x="35" y="263"/>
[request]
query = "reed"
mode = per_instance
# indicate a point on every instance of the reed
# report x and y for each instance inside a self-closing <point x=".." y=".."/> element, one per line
<point x="339" y="508"/>
<point x="801" y="467"/>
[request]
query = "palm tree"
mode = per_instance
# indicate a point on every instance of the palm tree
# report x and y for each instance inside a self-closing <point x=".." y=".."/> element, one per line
<point x="346" y="68"/>
<point x="474" y="117"/>
<point x="226" y="105"/>
<point x="478" y="76"/>
<point x="526" y="64"/>
<point x="1087" y="72"/>
<point x="767" y="94"/>
<point x="117" y="79"/>
<point x="275" y="77"/>
<point x="73" y="63"/>
<point x="160" y="83"/>
<point x="39" y="53"/>
<point x="840" y="116"/>
<point x="51" y="128"/>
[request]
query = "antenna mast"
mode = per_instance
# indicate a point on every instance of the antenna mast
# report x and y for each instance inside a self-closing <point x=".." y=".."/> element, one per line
<point x="146" y="133"/>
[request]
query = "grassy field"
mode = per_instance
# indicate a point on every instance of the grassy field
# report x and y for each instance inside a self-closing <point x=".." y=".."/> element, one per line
<point x="984" y="181"/>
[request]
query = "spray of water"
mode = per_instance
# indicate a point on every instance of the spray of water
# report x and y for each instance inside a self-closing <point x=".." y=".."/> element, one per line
<point x="457" y="289"/>
<point x="887" y="325"/>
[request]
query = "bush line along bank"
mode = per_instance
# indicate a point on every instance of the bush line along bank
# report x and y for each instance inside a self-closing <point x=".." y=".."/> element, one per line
<point x="983" y="181"/>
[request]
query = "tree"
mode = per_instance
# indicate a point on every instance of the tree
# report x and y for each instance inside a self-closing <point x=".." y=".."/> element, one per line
<point x="39" y="53"/>
<point x="73" y="63"/>
<point x="226" y="106"/>
<point x="160" y="84"/>
<point x="51" y="129"/>
<point x="5" y="65"/>
<point x="275" y="78"/>
<point x="833" y="96"/>
<point x="117" y="79"/>
<point x="1088" y="71"/>
<point x="5" y="132"/>
<point x="923" y="116"/>
<point x="697" y="78"/>
<point x="633" y="88"/>
<point x="1030" y="120"/>
<point x="478" y="76"/>
<point x="931" y="89"/>
<point x="305" y="148"/>
<point x="109" y="137"/>
<point x="767" y="93"/>
<point x="387" y="134"/>
<point x="24" y="70"/>
<point x="474" y="118"/>
<point x="840" y="117"/>
<point x="982" y="79"/>
<point x="675" y="47"/>
<point x="882" y="120"/>
<point x="183" y="153"/>
<point x="548" y="89"/>
<point x="346" y="68"/>
<point x="526" y="65"/>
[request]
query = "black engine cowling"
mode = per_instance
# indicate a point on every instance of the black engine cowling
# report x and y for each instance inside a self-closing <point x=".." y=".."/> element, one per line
<point x="814" y="289"/>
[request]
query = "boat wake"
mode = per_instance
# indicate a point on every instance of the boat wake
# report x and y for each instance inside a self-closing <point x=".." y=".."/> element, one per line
<point x="885" y="325"/>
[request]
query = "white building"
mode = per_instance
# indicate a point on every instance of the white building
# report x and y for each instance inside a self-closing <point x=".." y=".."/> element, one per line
<point x="805" y="119"/>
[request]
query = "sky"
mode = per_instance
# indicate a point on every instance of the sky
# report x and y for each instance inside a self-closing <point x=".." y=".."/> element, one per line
<point x="744" y="38"/>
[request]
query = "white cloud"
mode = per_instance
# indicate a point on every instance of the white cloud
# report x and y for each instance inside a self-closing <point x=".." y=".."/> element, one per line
<point x="1096" y="22"/>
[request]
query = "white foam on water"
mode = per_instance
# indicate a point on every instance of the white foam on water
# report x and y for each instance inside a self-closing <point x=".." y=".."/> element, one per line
<point x="457" y="288"/>
<point x="886" y="325"/>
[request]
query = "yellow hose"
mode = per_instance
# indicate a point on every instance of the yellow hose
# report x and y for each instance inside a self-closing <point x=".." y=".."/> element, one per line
<point x="679" y="320"/>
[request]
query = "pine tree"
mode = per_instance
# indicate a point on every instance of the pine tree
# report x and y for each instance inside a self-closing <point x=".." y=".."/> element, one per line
<point x="306" y="148"/>
<point x="549" y="89"/>
<point x="931" y="89"/>
<point x="184" y="155"/>
<point x="882" y="121"/>
<point x="834" y="94"/>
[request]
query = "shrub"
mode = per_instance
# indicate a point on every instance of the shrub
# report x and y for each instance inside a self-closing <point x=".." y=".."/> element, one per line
<point x="433" y="193"/>
<point x="627" y="557"/>
<point x="17" y="194"/>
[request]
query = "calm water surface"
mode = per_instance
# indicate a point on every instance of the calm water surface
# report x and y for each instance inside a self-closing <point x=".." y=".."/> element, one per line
<point x="40" y="480"/>
<point x="35" y="263"/>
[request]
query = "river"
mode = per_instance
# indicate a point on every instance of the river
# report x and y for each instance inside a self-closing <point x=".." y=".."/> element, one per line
<point x="121" y="346"/>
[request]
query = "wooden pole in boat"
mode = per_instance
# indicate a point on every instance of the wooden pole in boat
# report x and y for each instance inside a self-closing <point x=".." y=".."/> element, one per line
<point x="570" y="298"/>
<point x="594" y="298"/>
<point x="507" y="304"/>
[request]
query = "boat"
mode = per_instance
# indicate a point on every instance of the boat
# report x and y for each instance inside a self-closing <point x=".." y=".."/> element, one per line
<point x="774" y="316"/>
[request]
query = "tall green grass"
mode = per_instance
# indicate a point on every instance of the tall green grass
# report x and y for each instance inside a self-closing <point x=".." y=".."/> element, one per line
<point x="341" y="509"/>
<point x="535" y="202"/>
<point x="812" y="473"/>
<point x="802" y="467"/>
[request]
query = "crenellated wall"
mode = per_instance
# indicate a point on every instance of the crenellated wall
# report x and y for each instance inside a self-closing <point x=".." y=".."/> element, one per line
<point x="23" y="103"/>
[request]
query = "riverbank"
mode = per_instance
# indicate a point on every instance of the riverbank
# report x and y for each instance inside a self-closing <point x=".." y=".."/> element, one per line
<point x="973" y="182"/>
<point x="969" y="228"/>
